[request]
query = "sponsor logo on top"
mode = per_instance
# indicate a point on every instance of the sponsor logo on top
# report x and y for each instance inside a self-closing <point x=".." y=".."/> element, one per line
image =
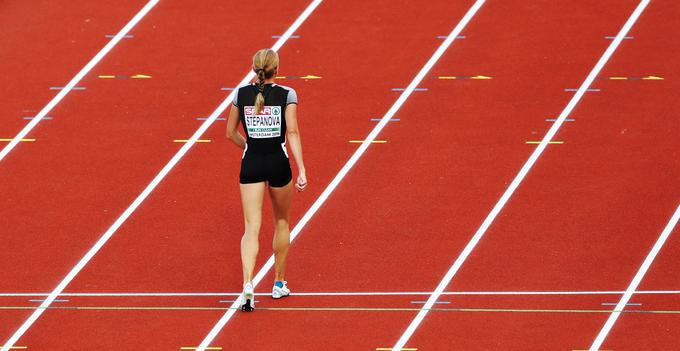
<point x="266" y="124"/>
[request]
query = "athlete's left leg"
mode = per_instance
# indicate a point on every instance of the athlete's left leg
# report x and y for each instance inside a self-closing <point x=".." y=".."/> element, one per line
<point x="251" y="199"/>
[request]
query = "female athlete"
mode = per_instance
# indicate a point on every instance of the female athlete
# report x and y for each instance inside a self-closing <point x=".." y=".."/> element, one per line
<point x="268" y="113"/>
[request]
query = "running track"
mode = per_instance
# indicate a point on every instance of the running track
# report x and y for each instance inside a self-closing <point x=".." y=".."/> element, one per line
<point x="583" y="219"/>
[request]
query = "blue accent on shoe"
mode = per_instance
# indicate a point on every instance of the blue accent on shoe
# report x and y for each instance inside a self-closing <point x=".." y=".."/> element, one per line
<point x="278" y="284"/>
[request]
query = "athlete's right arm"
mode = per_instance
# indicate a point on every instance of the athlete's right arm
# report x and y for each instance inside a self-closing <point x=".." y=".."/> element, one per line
<point x="296" y="145"/>
<point x="232" y="128"/>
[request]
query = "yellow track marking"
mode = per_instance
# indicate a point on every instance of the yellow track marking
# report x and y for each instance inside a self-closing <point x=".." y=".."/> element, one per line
<point x="136" y="76"/>
<point x="478" y="77"/>
<point x="307" y="77"/>
<point x="10" y="139"/>
<point x="634" y="78"/>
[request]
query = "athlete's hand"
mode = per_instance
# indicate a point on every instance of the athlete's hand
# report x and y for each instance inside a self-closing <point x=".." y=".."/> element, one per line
<point x="301" y="183"/>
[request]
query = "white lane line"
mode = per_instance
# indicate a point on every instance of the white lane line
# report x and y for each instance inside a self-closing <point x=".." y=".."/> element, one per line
<point x="76" y="79"/>
<point x="520" y="177"/>
<point x="636" y="280"/>
<point x="149" y="188"/>
<point x="351" y="162"/>
<point x="353" y="293"/>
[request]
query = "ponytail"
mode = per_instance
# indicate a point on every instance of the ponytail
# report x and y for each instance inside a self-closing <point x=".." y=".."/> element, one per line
<point x="265" y="65"/>
<point x="259" y="99"/>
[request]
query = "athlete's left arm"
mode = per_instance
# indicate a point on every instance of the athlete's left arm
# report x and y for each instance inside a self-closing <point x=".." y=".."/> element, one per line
<point x="295" y="144"/>
<point x="232" y="129"/>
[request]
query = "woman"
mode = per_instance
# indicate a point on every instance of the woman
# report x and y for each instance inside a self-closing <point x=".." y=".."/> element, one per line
<point x="268" y="113"/>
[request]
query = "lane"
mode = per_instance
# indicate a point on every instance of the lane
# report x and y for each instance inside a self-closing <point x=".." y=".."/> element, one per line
<point x="654" y="108"/>
<point x="87" y="169"/>
<point x="445" y="164"/>
<point x="44" y="44"/>
<point x="354" y="159"/>
<point x="186" y="236"/>
<point x="571" y="225"/>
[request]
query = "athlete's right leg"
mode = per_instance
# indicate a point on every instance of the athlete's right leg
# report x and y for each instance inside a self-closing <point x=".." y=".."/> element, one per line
<point x="251" y="199"/>
<point x="281" y="200"/>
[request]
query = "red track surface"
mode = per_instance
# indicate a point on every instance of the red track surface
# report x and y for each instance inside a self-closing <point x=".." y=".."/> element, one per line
<point x="583" y="219"/>
<point x="44" y="44"/>
<point x="41" y="45"/>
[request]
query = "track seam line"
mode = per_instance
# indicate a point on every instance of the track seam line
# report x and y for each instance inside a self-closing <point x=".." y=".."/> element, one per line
<point x="76" y="79"/>
<point x="367" y="142"/>
<point x="339" y="309"/>
<point x="636" y="281"/>
<point x="151" y="186"/>
<point x="519" y="177"/>
<point x="354" y="293"/>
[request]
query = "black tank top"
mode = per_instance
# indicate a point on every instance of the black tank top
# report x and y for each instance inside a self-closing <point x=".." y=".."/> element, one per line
<point x="266" y="131"/>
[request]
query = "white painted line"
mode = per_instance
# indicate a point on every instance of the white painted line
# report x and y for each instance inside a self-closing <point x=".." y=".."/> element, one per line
<point x="351" y="293"/>
<point x="457" y="37"/>
<point x="615" y="303"/>
<point x="519" y="177"/>
<point x="416" y="89"/>
<point x="128" y="36"/>
<point x="419" y="302"/>
<point x="41" y="300"/>
<point x="75" y="80"/>
<point x="45" y="118"/>
<point x="66" y="87"/>
<point x="555" y="119"/>
<point x="588" y="90"/>
<point x="151" y="186"/>
<point x="636" y="280"/>
<point x="351" y="162"/>
<point x="124" y="294"/>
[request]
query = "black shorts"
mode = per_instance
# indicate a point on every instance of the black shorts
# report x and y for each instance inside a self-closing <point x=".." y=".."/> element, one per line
<point x="273" y="168"/>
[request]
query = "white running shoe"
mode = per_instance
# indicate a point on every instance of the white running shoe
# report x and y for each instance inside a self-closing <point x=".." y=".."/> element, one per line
<point x="283" y="291"/>
<point x="248" y="298"/>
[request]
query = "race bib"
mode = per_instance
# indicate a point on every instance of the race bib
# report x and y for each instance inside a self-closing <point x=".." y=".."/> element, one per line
<point x="266" y="124"/>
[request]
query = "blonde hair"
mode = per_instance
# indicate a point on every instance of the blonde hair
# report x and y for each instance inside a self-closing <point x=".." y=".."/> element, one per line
<point x="265" y="64"/>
